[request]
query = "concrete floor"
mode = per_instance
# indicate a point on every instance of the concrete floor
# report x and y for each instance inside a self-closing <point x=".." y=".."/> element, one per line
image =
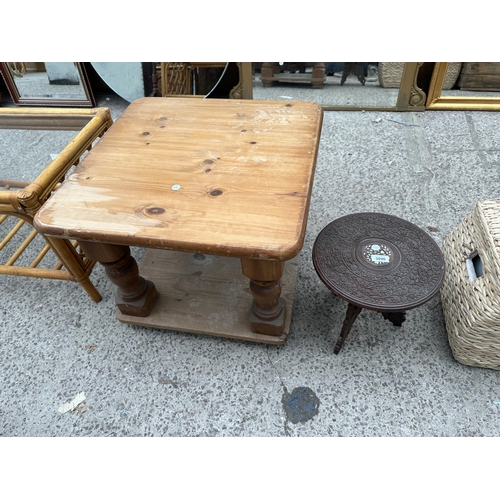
<point x="387" y="381"/>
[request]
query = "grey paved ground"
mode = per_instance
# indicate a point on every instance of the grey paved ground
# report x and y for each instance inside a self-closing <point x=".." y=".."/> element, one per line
<point x="387" y="381"/>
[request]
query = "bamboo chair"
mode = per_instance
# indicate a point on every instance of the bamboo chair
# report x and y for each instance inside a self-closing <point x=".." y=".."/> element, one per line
<point x="22" y="200"/>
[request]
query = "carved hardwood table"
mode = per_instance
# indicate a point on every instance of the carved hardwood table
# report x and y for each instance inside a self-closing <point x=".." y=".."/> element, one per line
<point x="214" y="182"/>
<point x="378" y="262"/>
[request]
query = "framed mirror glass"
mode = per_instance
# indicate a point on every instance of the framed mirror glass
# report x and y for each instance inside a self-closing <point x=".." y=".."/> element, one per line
<point x="477" y="87"/>
<point x="335" y="85"/>
<point x="130" y="80"/>
<point x="231" y="80"/>
<point x="47" y="83"/>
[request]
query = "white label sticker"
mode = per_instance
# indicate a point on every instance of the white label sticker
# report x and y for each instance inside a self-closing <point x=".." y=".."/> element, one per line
<point x="380" y="259"/>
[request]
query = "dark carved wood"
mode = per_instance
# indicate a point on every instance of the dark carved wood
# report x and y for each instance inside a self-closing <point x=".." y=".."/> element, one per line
<point x="353" y="68"/>
<point x="378" y="262"/>
<point x="396" y="318"/>
<point x="351" y="315"/>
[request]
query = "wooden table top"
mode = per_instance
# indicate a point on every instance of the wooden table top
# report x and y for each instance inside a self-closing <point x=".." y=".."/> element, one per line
<point x="217" y="176"/>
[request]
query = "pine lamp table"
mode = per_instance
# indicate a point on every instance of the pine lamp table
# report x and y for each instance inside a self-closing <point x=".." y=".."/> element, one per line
<point x="218" y="190"/>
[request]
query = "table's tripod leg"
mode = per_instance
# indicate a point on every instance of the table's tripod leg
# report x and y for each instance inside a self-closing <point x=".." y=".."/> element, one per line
<point x="135" y="296"/>
<point x="351" y="315"/>
<point x="345" y="74"/>
<point x="396" y="318"/>
<point x="267" y="315"/>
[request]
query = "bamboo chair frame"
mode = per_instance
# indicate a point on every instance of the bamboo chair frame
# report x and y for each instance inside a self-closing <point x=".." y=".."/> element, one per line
<point x="23" y="199"/>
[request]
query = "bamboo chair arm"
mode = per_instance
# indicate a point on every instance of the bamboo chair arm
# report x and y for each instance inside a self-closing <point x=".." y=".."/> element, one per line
<point x="31" y="198"/>
<point x="48" y="118"/>
<point x="5" y="203"/>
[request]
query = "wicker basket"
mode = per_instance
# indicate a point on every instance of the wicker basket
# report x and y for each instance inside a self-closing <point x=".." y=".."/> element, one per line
<point x="391" y="73"/>
<point x="471" y="288"/>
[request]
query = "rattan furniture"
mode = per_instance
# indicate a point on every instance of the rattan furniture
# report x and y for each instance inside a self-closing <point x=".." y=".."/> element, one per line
<point x="19" y="201"/>
<point x="179" y="78"/>
<point x="390" y="74"/>
<point x="471" y="289"/>
<point x="378" y="262"/>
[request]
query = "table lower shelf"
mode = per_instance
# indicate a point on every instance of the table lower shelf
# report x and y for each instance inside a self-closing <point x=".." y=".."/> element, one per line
<point x="206" y="294"/>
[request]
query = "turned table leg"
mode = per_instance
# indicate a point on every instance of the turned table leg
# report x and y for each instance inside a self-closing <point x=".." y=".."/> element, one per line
<point x="267" y="72"/>
<point x="134" y="296"/>
<point x="351" y="315"/>
<point x="318" y="75"/>
<point x="268" y="312"/>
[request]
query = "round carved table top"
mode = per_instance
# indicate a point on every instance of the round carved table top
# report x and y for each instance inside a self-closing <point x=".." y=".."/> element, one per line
<point x="378" y="261"/>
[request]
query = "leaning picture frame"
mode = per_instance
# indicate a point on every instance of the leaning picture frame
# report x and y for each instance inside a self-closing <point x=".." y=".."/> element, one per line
<point x="79" y="95"/>
<point x="437" y="101"/>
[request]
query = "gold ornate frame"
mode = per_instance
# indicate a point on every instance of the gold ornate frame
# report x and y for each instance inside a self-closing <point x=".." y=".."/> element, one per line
<point x="454" y="103"/>
<point x="410" y="97"/>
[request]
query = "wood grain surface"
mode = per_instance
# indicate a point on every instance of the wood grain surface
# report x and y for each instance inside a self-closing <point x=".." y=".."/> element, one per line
<point x="223" y="177"/>
<point x="206" y="294"/>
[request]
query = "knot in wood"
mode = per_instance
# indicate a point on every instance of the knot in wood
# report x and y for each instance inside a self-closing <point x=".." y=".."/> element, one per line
<point x="155" y="210"/>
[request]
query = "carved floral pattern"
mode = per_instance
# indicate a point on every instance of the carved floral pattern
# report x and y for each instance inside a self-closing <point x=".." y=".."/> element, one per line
<point x="406" y="282"/>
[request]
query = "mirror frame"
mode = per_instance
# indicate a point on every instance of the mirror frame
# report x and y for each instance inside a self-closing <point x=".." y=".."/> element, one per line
<point x="455" y="103"/>
<point x="48" y="101"/>
<point x="410" y="96"/>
